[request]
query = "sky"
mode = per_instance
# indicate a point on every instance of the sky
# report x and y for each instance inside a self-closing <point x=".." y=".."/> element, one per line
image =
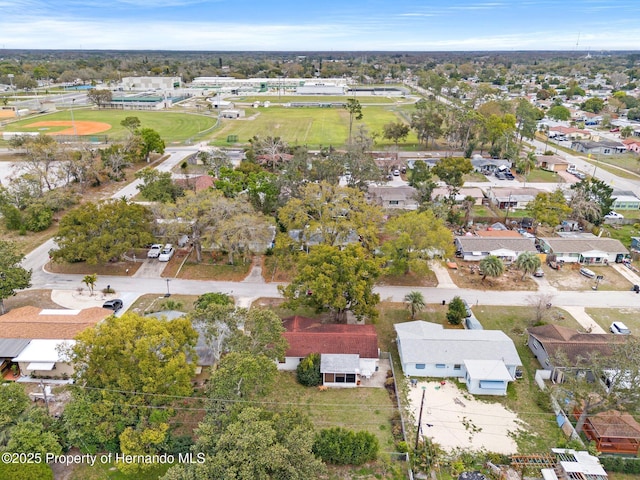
<point x="303" y="25"/>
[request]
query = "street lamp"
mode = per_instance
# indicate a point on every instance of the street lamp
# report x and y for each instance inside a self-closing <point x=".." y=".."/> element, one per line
<point x="168" y="294"/>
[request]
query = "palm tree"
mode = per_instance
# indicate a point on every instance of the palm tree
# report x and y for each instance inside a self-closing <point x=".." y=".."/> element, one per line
<point x="491" y="266"/>
<point x="528" y="262"/>
<point x="90" y="281"/>
<point x="415" y="302"/>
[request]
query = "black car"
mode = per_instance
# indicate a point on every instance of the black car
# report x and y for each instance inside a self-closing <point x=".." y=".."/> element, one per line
<point x="115" y="304"/>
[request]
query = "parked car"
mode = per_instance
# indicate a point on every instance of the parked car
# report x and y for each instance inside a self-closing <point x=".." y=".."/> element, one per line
<point x="166" y="253"/>
<point x="619" y="328"/>
<point x="538" y="273"/>
<point x="509" y="175"/>
<point x="154" y="251"/>
<point x="467" y="308"/>
<point x="587" y="273"/>
<point x="114" y="304"/>
<point x="613" y="214"/>
<point x="396" y="173"/>
<point x="501" y="176"/>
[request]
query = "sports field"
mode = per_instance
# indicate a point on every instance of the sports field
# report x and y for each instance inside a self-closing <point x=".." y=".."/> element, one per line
<point x="173" y="127"/>
<point x="313" y="127"/>
<point x="275" y="99"/>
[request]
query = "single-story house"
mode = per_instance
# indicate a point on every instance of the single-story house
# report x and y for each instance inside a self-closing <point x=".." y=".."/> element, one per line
<point x="553" y="163"/>
<point x="488" y="166"/>
<point x="570" y="133"/>
<point x="511" y="198"/>
<point x="10" y="348"/>
<point x="339" y="370"/>
<point x="546" y="341"/>
<point x="476" y="248"/>
<point x="486" y="359"/>
<point x="308" y="335"/>
<point x="476" y="193"/>
<point x="385" y="196"/>
<point x="196" y="183"/>
<point x="613" y="432"/>
<point x="45" y="358"/>
<point x="602" y="147"/>
<point x="45" y="323"/>
<point x="624" y="200"/>
<point x="587" y="249"/>
<point x="632" y="145"/>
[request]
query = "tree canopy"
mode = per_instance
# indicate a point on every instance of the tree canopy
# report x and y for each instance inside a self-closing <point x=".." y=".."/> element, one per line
<point x="414" y="239"/>
<point x="13" y="276"/>
<point x="100" y="232"/>
<point x="335" y="280"/>
<point x="331" y="215"/>
<point x="549" y="208"/>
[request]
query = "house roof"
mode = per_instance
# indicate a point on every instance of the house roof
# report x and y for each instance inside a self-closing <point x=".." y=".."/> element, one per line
<point x="424" y="342"/>
<point x="308" y="335"/>
<point x="498" y="234"/>
<point x="32" y="322"/>
<point x="584" y="244"/>
<point x="332" y="363"/>
<point x="487" y="370"/>
<point x="551" y="159"/>
<point x="574" y="344"/>
<point x="614" y="424"/>
<point x="491" y="244"/>
<point x="44" y="351"/>
<point x="386" y="192"/>
<point x="10" y="347"/>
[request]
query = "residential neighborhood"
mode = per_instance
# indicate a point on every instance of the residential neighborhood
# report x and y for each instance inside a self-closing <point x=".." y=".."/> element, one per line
<point x="443" y="280"/>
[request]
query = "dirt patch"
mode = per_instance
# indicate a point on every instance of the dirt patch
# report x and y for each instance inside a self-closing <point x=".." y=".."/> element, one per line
<point x="34" y="298"/>
<point x="5" y="113"/>
<point x="83" y="268"/>
<point x="79" y="127"/>
<point x="569" y="278"/>
<point x="468" y="276"/>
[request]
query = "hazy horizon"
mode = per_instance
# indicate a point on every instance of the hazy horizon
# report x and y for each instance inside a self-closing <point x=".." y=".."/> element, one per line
<point x="247" y="25"/>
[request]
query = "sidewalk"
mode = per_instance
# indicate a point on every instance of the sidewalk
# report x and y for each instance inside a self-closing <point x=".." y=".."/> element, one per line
<point x="583" y="319"/>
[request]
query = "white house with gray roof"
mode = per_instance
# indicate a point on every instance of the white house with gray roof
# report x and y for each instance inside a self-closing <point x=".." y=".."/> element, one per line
<point x="586" y="249"/>
<point x="471" y="248"/>
<point x="486" y="359"/>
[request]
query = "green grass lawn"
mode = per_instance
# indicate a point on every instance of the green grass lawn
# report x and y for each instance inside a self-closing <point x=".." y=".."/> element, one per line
<point x="173" y="127"/>
<point x="538" y="175"/>
<point x="369" y="409"/>
<point x="605" y="316"/>
<point x="313" y="127"/>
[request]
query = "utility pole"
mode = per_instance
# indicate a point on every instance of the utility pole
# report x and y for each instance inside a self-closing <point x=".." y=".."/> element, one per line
<point x="424" y="389"/>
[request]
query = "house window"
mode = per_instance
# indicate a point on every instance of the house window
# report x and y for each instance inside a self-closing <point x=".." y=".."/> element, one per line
<point x="492" y="384"/>
<point x="345" y="378"/>
<point x="536" y="344"/>
<point x="329" y="377"/>
<point x="394" y="202"/>
<point x="457" y="366"/>
<point x="440" y="365"/>
<point x="282" y="360"/>
<point x="420" y="366"/>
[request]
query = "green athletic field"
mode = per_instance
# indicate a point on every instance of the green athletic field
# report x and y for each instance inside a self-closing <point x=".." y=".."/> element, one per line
<point x="313" y="127"/>
<point x="173" y="127"/>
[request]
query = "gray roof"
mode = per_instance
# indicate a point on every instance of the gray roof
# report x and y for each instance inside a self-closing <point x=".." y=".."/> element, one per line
<point x="11" y="347"/>
<point x="339" y="362"/>
<point x="424" y="342"/>
<point x="580" y="245"/>
<point x="386" y="192"/>
<point x="490" y="244"/>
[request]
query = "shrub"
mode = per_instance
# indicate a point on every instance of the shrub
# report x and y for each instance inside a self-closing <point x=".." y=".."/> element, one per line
<point x="308" y="371"/>
<point x="340" y="446"/>
<point x="456" y="312"/>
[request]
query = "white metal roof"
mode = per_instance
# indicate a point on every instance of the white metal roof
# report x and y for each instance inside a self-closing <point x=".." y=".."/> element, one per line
<point x="43" y="351"/>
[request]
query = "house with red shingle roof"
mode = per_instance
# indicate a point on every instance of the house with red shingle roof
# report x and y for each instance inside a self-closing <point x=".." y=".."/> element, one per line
<point x="349" y="347"/>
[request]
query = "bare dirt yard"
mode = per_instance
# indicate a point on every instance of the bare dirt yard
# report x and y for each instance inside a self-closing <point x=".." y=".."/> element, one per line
<point x="454" y="419"/>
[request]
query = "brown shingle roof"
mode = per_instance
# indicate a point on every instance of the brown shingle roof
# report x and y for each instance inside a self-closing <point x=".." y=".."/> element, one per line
<point x="307" y="335"/>
<point x="574" y="344"/>
<point x="615" y="424"/>
<point x="32" y="322"/>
